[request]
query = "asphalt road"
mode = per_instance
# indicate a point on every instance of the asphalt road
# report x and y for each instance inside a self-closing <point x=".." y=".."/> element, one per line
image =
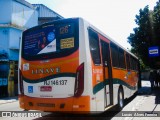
<point x="14" y="106"/>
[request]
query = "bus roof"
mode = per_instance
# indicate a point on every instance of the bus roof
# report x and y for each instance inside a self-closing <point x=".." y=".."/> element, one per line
<point x="109" y="38"/>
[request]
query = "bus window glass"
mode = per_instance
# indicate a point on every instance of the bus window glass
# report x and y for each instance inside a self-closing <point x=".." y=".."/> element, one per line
<point x="114" y="52"/>
<point x="128" y="62"/>
<point x="136" y="64"/>
<point x="121" y="59"/>
<point x="132" y="63"/>
<point x="94" y="47"/>
<point x="57" y="40"/>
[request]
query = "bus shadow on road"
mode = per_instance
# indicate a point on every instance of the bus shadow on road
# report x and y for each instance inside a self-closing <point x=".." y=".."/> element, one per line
<point x="62" y="116"/>
<point x="93" y="116"/>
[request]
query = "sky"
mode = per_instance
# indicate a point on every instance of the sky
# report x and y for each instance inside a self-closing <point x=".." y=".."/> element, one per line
<point x="115" y="18"/>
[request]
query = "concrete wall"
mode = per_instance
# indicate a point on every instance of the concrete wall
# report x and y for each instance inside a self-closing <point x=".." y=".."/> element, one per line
<point x="23" y="16"/>
<point x="14" y="43"/>
<point x="5" y="11"/>
<point x="14" y="38"/>
<point x="18" y="14"/>
<point x="13" y="54"/>
<point x="10" y="41"/>
<point x="4" y="40"/>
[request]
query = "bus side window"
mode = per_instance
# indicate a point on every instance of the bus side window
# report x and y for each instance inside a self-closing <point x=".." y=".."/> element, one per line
<point x="121" y="59"/>
<point x="114" y="52"/>
<point x="128" y="61"/>
<point x="94" y="47"/>
<point x="133" y="64"/>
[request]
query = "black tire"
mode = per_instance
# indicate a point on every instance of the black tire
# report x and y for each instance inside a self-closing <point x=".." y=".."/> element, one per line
<point x="120" y="98"/>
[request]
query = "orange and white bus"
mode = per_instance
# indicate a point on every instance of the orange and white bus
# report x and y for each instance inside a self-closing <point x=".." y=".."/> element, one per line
<point x="69" y="65"/>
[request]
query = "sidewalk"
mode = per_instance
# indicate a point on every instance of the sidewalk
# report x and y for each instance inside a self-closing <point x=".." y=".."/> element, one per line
<point x="8" y="100"/>
<point x="146" y="101"/>
<point x="151" y="100"/>
<point x="150" y="103"/>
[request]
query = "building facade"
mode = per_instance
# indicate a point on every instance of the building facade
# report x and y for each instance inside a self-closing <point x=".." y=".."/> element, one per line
<point x="16" y="16"/>
<point x="45" y="14"/>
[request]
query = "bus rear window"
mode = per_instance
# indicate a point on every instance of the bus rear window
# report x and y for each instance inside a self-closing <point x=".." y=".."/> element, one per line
<point x="49" y="39"/>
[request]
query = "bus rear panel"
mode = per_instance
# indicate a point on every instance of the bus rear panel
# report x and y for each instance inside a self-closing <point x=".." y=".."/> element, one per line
<point x="51" y="78"/>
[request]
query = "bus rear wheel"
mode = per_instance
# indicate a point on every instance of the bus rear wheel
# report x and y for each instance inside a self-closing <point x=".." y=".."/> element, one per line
<point x="120" y="98"/>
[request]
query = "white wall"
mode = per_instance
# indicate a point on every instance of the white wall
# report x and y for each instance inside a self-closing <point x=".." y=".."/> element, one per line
<point x="14" y="38"/>
<point x="4" y="38"/>
<point x="23" y="16"/>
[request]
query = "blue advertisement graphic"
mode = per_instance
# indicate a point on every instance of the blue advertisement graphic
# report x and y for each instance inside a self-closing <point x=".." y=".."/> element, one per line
<point x="51" y="36"/>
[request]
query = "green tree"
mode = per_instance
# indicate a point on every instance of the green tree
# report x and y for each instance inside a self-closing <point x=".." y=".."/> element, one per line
<point x="143" y="35"/>
<point x="156" y="19"/>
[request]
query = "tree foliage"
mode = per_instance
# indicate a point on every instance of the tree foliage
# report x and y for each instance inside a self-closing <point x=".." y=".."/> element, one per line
<point x="146" y="34"/>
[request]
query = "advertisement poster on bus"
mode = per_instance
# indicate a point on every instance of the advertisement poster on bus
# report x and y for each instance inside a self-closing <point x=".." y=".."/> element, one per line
<point x="40" y="41"/>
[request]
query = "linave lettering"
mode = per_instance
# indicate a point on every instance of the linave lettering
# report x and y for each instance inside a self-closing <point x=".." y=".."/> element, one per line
<point x="43" y="71"/>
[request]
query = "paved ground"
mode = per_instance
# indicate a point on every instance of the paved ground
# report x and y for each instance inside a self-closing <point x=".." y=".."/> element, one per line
<point x="8" y="100"/>
<point x="147" y="102"/>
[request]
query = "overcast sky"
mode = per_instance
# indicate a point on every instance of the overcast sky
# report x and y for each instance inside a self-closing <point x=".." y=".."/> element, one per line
<point x="114" y="17"/>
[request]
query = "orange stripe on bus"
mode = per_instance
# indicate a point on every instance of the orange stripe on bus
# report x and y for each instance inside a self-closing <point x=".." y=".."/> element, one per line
<point x="67" y="64"/>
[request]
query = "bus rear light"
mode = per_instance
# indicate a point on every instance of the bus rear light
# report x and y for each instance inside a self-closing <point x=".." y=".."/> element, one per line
<point x="79" y="81"/>
<point x="21" y="83"/>
<point x="75" y="106"/>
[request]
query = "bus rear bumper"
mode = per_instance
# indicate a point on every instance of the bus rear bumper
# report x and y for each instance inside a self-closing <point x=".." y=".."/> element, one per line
<point x="71" y="104"/>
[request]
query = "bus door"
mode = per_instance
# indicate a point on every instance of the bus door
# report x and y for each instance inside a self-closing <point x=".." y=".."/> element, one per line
<point x="107" y="73"/>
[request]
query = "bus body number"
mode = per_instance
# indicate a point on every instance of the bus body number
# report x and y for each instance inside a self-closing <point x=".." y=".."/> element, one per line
<point x="64" y="30"/>
<point x="55" y="82"/>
